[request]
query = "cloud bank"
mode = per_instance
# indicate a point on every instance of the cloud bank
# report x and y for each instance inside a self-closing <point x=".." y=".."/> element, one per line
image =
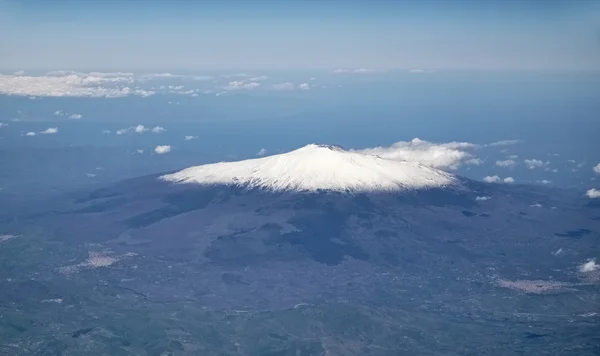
<point x="438" y="155"/>
<point x="71" y="84"/>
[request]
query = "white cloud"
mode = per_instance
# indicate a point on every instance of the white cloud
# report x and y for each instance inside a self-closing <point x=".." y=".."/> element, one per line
<point x="140" y="151"/>
<point x="262" y="152"/>
<point x="491" y="179"/>
<point x="30" y="133"/>
<point x="71" y="84"/>
<point x="474" y="162"/>
<point x="589" y="266"/>
<point x="75" y="116"/>
<point x="504" y="143"/>
<point x="507" y="163"/>
<point x="238" y="85"/>
<point x="49" y="131"/>
<point x="439" y="155"/>
<point x="259" y="78"/>
<point x="137" y="129"/>
<point x="593" y="193"/>
<point x="597" y="168"/>
<point x="535" y="163"/>
<point x="59" y="113"/>
<point x="162" y="149"/>
<point x="158" y="129"/>
<point x="509" y="180"/>
<point x="536" y="205"/>
<point x="544" y="181"/>
<point x="188" y="138"/>
<point x="312" y="79"/>
<point x="304" y="86"/>
<point x="572" y="161"/>
<point x="284" y="86"/>
<point x="19" y="72"/>
<point x="359" y="70"/>
<point x="175" y="76"/>
<point x="484" y="198"/>
<point x="3" y="124"/>
<point x="558" y="252"/>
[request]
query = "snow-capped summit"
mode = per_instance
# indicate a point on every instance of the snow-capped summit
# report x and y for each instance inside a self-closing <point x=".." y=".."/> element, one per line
<point x="317" y="167"/>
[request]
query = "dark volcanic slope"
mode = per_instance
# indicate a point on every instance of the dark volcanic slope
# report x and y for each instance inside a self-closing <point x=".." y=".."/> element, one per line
<point x="146" y="267"/>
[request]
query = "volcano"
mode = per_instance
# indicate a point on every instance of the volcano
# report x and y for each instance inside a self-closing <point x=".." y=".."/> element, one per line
<point x="319" y="251"/>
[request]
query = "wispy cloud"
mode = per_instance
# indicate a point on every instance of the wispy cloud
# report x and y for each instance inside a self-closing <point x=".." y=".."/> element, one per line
<point x="262" y="152"/>
<point x="284" y="86"/>
<point x="304" y="86"/>
<point x="358" y="70"/>
<point x="509" y="163"/>
<point x="75" y="116"/>
<point x="597" y="168"/>
<point x="50" y="131"/>
<point x="421" y="71"/>
<point x="239" y="85"/>
<point x="137" y="129"/>
<point x="162" y="149"/>
<point x="158" y="129"/>
<point x="188" y="138"/>
<point x="474" y="161"/>
<point x="504" y="143"/>
<point x="484" y="198"/>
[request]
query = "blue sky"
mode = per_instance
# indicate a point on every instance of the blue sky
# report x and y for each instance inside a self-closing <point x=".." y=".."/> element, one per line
<point x="260" y="34"/>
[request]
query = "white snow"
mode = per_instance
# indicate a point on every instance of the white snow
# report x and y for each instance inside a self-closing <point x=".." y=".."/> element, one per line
<point x="318" y="167"/>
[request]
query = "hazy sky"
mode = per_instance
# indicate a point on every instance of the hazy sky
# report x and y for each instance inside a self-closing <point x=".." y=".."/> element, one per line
<point x="309" y="34"/>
